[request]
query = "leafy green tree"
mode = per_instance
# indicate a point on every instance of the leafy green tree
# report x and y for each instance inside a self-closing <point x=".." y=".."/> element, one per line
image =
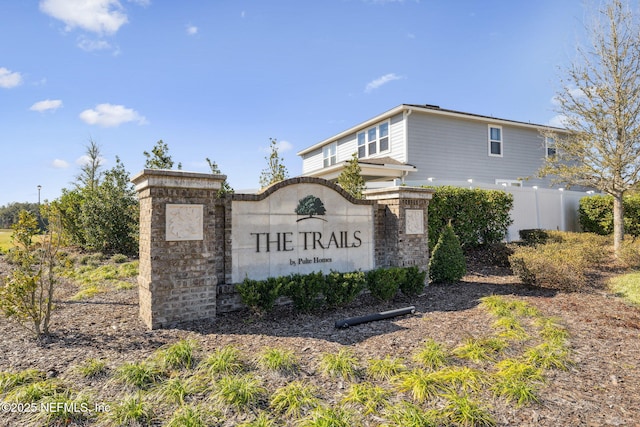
<point x="9" y="214"/>
<point x="26" y="294"/>
<point x="600" y="105"/>
<point x="275" y="171"/>
<point x="350" y="179"/>
<point x="68" y="208"/>
<point x="225" y="188"/>
<point x="159" y="157"/>
<point x="110" y="214"/>
<point x="447" y="263"/>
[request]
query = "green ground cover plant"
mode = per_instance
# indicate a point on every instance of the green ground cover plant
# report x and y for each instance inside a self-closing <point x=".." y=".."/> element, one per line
<point x="430" y="384"/>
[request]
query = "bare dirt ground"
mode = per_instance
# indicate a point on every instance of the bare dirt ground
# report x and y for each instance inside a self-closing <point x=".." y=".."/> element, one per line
<point x="602" y="388"/>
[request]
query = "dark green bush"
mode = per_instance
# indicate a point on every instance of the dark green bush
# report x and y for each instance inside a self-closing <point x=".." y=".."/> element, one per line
<point x="596" y="214"/>
<point x="383" y="283"/>
<point x="478" y="216"/>
<point x="260" y="295"/>
<point x="305" y="290"/>
<point x="447" y="263"/>
<point x="534" y="236"/>
<point x="343" y="288"/>
<point x="414" y="281"/>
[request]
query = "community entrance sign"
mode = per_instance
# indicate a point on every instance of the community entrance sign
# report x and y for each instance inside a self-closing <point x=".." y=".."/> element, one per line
<point x="300" y="229"/>
<point x="195" y="245"/>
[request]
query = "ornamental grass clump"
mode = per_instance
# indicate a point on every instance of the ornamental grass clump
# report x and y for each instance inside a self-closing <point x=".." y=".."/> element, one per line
<point x="447" y="263"/>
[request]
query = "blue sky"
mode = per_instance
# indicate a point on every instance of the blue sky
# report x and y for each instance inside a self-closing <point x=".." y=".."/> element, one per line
<point x="219" y="78"/>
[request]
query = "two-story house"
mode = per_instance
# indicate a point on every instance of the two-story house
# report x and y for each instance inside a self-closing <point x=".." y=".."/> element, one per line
<point x="429" y="145"/>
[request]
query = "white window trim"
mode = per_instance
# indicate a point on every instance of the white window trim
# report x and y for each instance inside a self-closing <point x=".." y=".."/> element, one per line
<point x="332" y="151"/>
<point x="509" y="182"/>
<point x="366" y="142"/>
<point x="547" y="146"/>
<point x="489" y="141"/>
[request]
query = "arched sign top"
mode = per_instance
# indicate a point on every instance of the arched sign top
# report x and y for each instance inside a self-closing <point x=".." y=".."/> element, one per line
<point x="300" y="180"/>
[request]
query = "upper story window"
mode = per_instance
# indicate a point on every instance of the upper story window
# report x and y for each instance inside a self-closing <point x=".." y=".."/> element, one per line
<point x="373" y="140"/>
<point x="495" y="141"/>
<point x="329" y="154"/>
<point x="550" y="146"/>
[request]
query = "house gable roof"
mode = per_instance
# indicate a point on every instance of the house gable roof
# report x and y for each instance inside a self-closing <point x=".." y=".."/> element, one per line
<point x="426" y="109"/>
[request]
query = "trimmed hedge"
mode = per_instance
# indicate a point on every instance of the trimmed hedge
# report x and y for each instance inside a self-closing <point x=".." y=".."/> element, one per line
<point x="316" y="290"/>
<point x="477" y="216"/>
<point x="596" y="214"/>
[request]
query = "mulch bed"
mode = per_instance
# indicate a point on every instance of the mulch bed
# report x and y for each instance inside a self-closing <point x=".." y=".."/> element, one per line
<point x="603" y="388"/>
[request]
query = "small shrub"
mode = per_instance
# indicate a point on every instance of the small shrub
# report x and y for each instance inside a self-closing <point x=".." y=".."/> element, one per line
<point x="534" y="236"/>
<point x="242" y="392"/>
<point x="384" y="283"/>
<point x="259" y="295"/>
<point x="414" y="281"/>
<point x="188" y="416"/>
<point x="92" y="368"/>
<point x="462" y="410"/>
<point x="550" y="266"/>
<point x="139" y="374"/>
<point x="432" y="355"/>
<point x="342" y="364"/>
<point x="629" y="254"/>
<point x="342" y="288"/>
<point x="176" y="389"/>
<point x="275" y="359"/>
<point x="36" y="391"/>
<point x="131" y="410"/>
<point x="370" y="397"/>
<point x="119" y="258"/>
<point x="305" y="290"/>
<point x="549" y="355"/>
<point x="294" y="399"/>
<point x="385" y="369"/>
<point x="406" y="414"/>
<point x="325" y="416"/>
<point x="262" y="420"/>
<point x="480" y="350"/>
<point x="66" y="412"/>
<point x="420" y="384"/>
<point x="447" y="263"/>
<point x="9" y="380"/>
<point x="225" y="360"/>
<point x="179" y="355"/>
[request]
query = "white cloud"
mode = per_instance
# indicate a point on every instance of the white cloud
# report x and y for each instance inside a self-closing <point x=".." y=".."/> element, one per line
<point x="376" y="83"/>
<point x="108" y="115"/>
<point x="47" y="104"/>
<point x="98" y="16"/>
<point x="558" y="121"/>
<point x="284" y="146"/>
<point x="60" y="164"/>
<point x="192" y="30"/>
<point x="9" y="79"/>
<point x="89" y="45"/>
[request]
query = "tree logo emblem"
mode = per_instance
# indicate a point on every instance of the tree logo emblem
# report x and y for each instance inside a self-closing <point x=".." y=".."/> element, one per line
<point x="310" y="205"/>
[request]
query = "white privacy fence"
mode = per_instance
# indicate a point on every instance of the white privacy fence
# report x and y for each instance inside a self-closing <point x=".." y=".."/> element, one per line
<point x="548" y="209"/>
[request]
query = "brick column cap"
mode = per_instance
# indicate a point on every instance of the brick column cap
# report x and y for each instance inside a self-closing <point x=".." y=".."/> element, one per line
<point x="399" y="192"/>
<point x="177" y="179"/>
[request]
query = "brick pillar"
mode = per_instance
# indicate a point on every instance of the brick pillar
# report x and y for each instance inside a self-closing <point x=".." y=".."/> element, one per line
<point x="179" y="245"/>
<point x="401" y="226"/>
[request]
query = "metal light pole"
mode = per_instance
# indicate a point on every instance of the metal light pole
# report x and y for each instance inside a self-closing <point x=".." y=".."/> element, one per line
<point x="39" y="216"/>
